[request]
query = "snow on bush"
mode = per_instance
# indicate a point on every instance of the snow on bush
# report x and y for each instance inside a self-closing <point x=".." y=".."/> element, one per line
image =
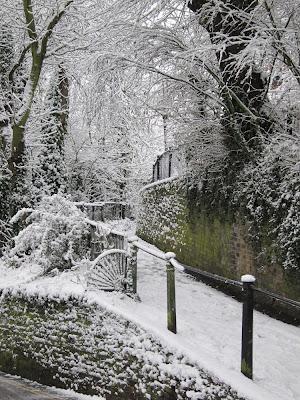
<point x="270" y="194"/>
<point x="88" y="348"/>
<point x="55" y="235"/>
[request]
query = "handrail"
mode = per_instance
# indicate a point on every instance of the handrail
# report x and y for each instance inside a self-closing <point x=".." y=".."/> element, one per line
<point x="105" y="227"/>
<point x="219" y="278"/>
<point x="158" y="253"/>
<point x="177" y="265"/>
<point x="99" y="203"/>
<point x="182" y="267"/>
<point x="246" y="285"/>
<point x="212" y="276"/>
<point x="284" y="300"/>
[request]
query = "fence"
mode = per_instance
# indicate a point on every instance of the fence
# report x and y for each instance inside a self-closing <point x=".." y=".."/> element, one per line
<point x="105" y="211"/>
<point x="169" y="164"/>
<point x="127" y="281"/>
<point x="114" y="266"/>
<point x="248" y="291"/>
<point x="276" y="306"/>
<point x="102" y="239"/>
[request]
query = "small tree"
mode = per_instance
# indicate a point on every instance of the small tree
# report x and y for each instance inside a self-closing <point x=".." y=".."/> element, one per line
<point x="49" y="172"/>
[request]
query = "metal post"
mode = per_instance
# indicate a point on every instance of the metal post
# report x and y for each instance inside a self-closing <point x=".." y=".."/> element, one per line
<point x="171" y="297"/>
<point x="247" y="327"/>
<point x="133" y="262"/>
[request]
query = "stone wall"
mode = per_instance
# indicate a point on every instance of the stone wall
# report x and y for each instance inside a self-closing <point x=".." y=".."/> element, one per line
<point x="213" y="241"/>
<point x="76" y="344"/>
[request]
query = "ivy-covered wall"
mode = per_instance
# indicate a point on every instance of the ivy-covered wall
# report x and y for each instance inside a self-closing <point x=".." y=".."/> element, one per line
<point x="216" y="241"/>
<point x="75" y="344"/>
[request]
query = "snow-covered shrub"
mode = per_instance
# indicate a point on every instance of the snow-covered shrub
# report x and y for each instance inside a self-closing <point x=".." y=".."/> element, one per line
<point x="270" y="193"/>
<point x="55" y="235"/>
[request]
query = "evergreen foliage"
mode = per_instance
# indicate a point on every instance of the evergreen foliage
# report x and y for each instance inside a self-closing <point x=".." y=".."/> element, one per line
<point x="6" y="57"/>
<point x="6" y="54"/>
<point x="268" y="193"/>
<point x="49" y="173"/>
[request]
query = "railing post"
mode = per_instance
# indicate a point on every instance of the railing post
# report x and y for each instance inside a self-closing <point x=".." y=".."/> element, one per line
<point x="247" y="327"/>
<point x="133" y="250"/>
<point x="171" y="296"/>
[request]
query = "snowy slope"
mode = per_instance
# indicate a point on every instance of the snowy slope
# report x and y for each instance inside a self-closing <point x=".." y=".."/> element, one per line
<point x="209" y="326"/>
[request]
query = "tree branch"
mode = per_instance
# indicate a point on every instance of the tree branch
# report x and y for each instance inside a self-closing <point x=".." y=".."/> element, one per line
<point x="51" y="26"/>
<point x="19" y="63"/>
<point x="172" y="77"/>
<point x="278" y="44"/>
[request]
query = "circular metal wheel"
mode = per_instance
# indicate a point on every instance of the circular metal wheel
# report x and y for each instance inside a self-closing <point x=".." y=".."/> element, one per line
<point x="109" y="273"/>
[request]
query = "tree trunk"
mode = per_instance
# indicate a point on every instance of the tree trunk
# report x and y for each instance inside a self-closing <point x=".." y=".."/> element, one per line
<point x="63" y="89"/>
<point x="244" y="91"/>
<point x="18" y="149"/>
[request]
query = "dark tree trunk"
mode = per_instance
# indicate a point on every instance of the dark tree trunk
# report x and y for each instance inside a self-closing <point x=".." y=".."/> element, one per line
<point x="64" y="98"/>
<point x="244" y="90"/>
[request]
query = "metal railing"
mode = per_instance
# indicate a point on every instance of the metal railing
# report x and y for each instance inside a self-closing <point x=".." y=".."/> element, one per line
<point x="246" y="286"/>
<point x="273" y="304"/>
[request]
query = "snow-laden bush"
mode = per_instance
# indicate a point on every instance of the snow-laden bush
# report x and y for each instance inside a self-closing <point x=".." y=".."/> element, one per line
<point x="270" y="193"/>
<point x="55" y="235"/>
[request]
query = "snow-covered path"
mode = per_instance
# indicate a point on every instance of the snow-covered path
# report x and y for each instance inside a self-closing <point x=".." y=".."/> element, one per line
<point x="209" y="327"/>
<point x="14" y="388"/>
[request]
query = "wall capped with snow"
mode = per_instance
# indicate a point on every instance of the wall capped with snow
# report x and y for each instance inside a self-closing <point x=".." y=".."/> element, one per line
<point x="214" y="240"/>
<point x="76" y="344"/>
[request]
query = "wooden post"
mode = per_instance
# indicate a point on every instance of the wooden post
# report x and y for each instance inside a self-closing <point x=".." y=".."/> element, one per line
<point x="92" y="242"/>
<point x="170" y="165"/>
<point x="133" y="262"/>
<point x="247" y="327"/>
<point x="171" y="297"/>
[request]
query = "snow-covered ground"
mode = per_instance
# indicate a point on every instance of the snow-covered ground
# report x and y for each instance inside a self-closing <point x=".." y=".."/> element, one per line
<point x="209" y="326"/>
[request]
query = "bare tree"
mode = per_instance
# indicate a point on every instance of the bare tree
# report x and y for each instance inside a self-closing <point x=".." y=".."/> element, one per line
<point x="37" y="46"/>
